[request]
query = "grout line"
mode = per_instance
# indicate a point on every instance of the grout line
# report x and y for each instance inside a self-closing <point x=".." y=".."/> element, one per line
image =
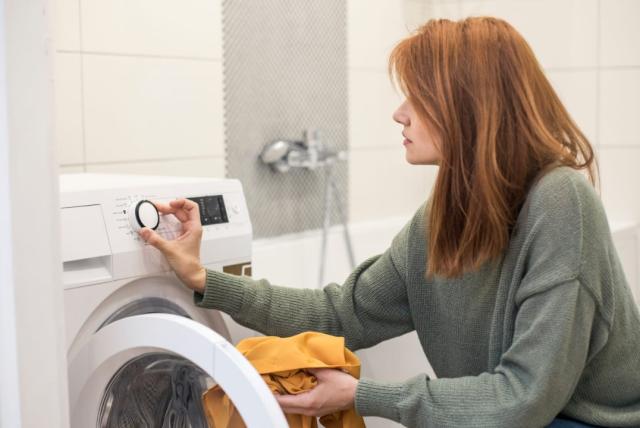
<point x="136" y="55"/>
<point x="347" y="191"/>
<point x="376" y="147"/>
<point x="82" y="94"/>
<point x="598" y="76"/>
<point x="619" y="146"/>
<point x="225" y="76"/>
<point x="596" y="67"/>
<point x="132" y="161"/>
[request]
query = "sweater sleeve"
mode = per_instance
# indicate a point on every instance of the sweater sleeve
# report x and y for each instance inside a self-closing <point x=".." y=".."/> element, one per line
<point x="369" y="307"/>
<point x="533" y="382"/>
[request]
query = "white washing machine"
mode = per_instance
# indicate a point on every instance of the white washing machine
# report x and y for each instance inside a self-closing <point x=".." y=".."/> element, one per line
<point x="140" y="353"/>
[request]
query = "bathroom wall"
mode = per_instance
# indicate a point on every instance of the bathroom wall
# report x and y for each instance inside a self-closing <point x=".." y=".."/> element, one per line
<point x="381" y="183"/>
<point x="285" y="72"/>
<point x="139" y="89"/>
<point x="138" y="86"/>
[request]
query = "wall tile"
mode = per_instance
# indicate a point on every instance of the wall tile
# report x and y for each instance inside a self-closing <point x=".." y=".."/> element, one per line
<point x="382" y="184"/>
<point x="620" y="32"/>
<point x="620" y="107"/>
<point x="66" y="33"/>
<point x="147" y="108"/>
<point x="620" y="183"/>
<point x="418" y="12"/>
<point x="445" y="9"/>
<point x="205" y="167"/>
<point x="70" y="169"/>
<point x="68" y="108"/>
<point x="578" y="91"/>
<point x="562" y="33"/>
<point x="156" y="27"/>
<point x="372" y="103"/>
<point x="373" y="28"/>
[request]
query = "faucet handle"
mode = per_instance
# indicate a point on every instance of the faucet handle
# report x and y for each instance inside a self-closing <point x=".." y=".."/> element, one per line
<point x="312" y="137"/>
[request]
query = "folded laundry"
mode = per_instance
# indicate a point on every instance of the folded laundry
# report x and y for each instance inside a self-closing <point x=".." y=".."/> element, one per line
<point x="282" y="362"/>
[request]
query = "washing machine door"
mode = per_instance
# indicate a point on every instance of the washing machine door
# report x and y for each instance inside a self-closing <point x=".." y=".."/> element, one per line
<point x="115" y="379"/>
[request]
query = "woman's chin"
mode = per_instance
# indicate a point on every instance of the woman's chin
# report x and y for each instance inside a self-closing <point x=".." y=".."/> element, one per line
<point x="413" y="160"/>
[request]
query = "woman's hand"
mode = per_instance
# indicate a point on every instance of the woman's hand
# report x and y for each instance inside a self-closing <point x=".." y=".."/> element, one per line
<point x="335" y="391"/>
<point x="182" y="253"/>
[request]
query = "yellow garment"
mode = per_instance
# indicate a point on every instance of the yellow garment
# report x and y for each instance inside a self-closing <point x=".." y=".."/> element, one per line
<point x="281" y="363"/>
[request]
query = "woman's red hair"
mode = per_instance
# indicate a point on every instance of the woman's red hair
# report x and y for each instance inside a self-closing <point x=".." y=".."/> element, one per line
<point x="500" y="124"/>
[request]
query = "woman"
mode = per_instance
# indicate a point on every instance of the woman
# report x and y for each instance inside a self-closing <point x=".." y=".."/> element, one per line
<point x="507" y="273"/>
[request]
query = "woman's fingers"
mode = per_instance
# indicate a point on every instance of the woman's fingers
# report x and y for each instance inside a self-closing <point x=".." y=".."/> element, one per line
<point x="153" y="238"/>
<point x="190" y="208"/>
<point x="177" y="209"/>
<point x="300" y="404"/>
<point x="168" y="209"/>
<point x="163" y="208"/>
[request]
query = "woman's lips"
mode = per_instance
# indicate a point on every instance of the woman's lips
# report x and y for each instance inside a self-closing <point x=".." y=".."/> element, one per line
<point x="407" y="141"/>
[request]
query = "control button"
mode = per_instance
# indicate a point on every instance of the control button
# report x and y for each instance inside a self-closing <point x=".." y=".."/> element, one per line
<point x="235" y="208"/>
<point x="143" y="214"/>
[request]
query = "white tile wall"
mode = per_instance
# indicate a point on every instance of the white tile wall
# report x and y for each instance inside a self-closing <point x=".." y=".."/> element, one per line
<point x="562" y="33"/>
<point x="374" y="27"/>
<point x="578" y="91"/>
<point x="151" y="108"/>
<point x="620" y="107"/>
<point x="138" y="86"/>
<point x="382" y="184"/>
<point x="67" y="25"/>
<point x="71" y="169"/>
<point x="68" y="108"/>
<point x="372" y="103"/>
<point x="203" y="167"/>
<point x="190" y="28"/>
<point x="620" y="32"/>
<point x="620" y="183"/>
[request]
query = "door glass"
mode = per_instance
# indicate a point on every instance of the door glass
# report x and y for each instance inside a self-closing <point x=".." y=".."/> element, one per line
<point x="148" y="305"/>
<point x="155" y="390"/>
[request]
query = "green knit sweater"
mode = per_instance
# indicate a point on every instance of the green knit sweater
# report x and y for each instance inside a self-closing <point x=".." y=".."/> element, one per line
<point x="551" y="328"/>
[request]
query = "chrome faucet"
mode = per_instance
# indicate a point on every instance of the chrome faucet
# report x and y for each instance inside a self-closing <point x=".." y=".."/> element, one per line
<point x="310" y="153"/>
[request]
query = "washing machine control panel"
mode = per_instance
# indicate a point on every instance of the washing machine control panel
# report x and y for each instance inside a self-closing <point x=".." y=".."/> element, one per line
<point x="102" y="216"/>
<point x="133" y="212"/>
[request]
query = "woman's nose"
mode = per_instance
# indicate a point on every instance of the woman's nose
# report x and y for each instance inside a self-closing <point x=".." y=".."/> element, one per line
<point x="400" y="115"/>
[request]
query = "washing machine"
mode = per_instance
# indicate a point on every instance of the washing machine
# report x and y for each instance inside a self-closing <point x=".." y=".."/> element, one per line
<point x="140" y="353"/>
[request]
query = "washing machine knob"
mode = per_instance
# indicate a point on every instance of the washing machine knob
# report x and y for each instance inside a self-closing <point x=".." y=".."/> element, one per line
<point x="143" y="214"/>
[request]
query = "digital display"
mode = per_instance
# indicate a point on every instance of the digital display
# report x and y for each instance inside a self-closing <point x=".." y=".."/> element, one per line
<point x="212" y="209"/>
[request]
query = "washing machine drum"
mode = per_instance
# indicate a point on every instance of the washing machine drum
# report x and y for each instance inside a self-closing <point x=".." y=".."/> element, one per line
<point x="155" y="390"/>
<point x="150" y="370"/>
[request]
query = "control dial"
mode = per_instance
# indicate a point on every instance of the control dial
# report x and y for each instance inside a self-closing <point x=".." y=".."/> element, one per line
<point x="143" y="214"/>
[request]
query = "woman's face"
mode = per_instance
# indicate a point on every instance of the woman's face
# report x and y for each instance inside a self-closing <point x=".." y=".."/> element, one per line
<point x="419" y="142"/>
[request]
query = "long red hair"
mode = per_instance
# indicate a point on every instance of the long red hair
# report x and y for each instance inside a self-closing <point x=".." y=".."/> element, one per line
<point x="478" y="85"/>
